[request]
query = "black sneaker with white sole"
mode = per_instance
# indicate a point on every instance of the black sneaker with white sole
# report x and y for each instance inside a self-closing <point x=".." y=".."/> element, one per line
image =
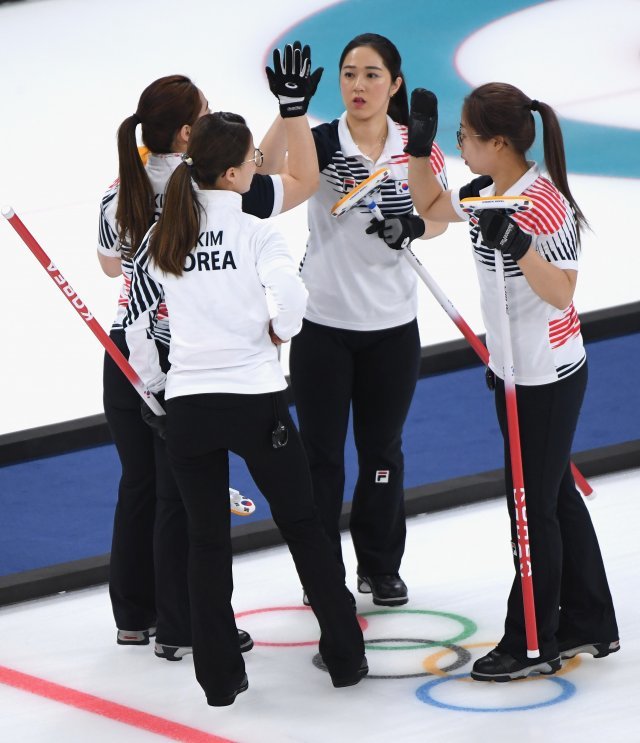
<point x="500" y="666"/>
<point x="175" y="652"/>
<point x="571" y="648"/>
<point x="386" y="590"/>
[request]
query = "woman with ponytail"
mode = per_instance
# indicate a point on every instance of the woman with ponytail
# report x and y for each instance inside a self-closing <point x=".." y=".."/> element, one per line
<point x="147" y="583"/>
<point x="211" y="264"/>
<point x="540" y="250"/>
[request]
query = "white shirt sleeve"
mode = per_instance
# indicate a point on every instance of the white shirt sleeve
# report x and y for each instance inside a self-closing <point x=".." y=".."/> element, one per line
<point x="279" y="275"/>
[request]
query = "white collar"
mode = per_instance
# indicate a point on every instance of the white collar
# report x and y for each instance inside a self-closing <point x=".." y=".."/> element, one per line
<point x="393" y="144"/>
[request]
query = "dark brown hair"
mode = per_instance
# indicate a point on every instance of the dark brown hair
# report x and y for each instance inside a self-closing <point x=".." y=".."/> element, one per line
<point x="500" y="109"/>
<point x="218" y="142"/>
<point x="398" y="105"/>
<point x="164" y="107"/>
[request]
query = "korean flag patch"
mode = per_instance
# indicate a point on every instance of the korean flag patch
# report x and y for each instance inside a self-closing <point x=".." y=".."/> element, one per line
<point x="402" y="187"/>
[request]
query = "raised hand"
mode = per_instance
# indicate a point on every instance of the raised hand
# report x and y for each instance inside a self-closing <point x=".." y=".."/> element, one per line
<point x="423" y="123"/>
<point x="291" y="79"/>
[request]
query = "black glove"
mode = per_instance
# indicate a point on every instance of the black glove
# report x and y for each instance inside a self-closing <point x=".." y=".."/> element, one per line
<point x="500" y="232"/>
<point x="291" y="80"/>
<point x="398" y="232"/>
<point x="156" y="422"/>
<point x="423" y="123"/>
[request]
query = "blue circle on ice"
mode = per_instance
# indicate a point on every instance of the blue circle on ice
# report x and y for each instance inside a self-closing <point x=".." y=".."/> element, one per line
<point x="566" y="688"/>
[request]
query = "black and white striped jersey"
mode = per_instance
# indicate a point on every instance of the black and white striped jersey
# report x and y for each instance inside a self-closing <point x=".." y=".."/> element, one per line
<point x="547" y="342"/>
<point x="218" y="306"/>
<point x="263" y="200"/>
<point x="354" y="280"/>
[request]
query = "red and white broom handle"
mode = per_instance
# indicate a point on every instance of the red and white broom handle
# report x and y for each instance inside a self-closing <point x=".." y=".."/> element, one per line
<point x="517" y="476"/>
<point x="473" y="340"/>
<point x="81" y="308"/>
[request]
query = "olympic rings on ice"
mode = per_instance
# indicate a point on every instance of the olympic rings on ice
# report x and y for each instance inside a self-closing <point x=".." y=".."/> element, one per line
<point x="427" y="692"/>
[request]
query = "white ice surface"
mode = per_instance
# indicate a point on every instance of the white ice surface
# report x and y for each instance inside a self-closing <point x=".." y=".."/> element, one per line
<point x="456" y="562"/>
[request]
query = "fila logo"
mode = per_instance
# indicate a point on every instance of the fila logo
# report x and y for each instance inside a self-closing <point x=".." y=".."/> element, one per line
<point x="348" y="184"/>
<point x="382" y="476"/>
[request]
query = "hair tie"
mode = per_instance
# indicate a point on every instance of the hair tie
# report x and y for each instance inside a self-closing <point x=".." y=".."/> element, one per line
<point x="136" y="118"/>
<point x="187" y="160"/>
<point x="534" y="105"/>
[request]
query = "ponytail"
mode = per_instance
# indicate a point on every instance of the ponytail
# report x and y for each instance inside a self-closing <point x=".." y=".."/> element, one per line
<point x="500" y="109"/>
<point x="165" y="105"/>
<point x="555" y="160"/>
<point x="176" y="232"/>
<point x="135" y="210"/>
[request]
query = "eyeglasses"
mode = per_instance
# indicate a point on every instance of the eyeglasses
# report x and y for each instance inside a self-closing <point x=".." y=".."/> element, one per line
<point x="460" y="136"/>
<point x="258" y="158"/>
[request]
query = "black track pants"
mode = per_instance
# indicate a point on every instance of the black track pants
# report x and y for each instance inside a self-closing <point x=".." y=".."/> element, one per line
<point x="148" y="566"/>
<point x="375" y="374"/>
<point x="571" y="592"/>
<point x="201" y="431"/>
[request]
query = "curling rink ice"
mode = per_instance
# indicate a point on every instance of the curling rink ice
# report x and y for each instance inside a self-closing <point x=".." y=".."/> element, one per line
<point x="72" y="71"/>
<point x="458" y="568"/>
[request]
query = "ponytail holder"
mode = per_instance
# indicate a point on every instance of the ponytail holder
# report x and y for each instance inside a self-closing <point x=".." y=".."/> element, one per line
<point x="136" y="118"/>
<point x="534" y="105"/>
<point x="187" y="160"/>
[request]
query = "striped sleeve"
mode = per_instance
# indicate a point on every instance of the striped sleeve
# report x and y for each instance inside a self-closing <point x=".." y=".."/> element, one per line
<point x="145" y="298"/>
<point x="552" y="221"/>
<point x="108" y="243"/>
<point x="437" y="165"/>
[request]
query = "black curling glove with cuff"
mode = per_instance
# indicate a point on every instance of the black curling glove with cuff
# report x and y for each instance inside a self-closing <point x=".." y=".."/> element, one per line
<point x="291" y="79"/>
<point x="500" y="232"/>
<point x="423" y="123"/>
<point x="398" y="232"/>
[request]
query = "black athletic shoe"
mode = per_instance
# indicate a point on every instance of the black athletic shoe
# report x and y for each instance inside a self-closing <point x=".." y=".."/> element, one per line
<point x="571" y="648"/>
<point x="355" y="678"/>
<point x="246" y="643"/>
<point x="175" y="652"/>
<point x="135" y="637"/>
<point x="229" y="698"/>
<point x="387" y="590"/>
<point x="171" y="652"/>
<point x="500" y="666"/>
